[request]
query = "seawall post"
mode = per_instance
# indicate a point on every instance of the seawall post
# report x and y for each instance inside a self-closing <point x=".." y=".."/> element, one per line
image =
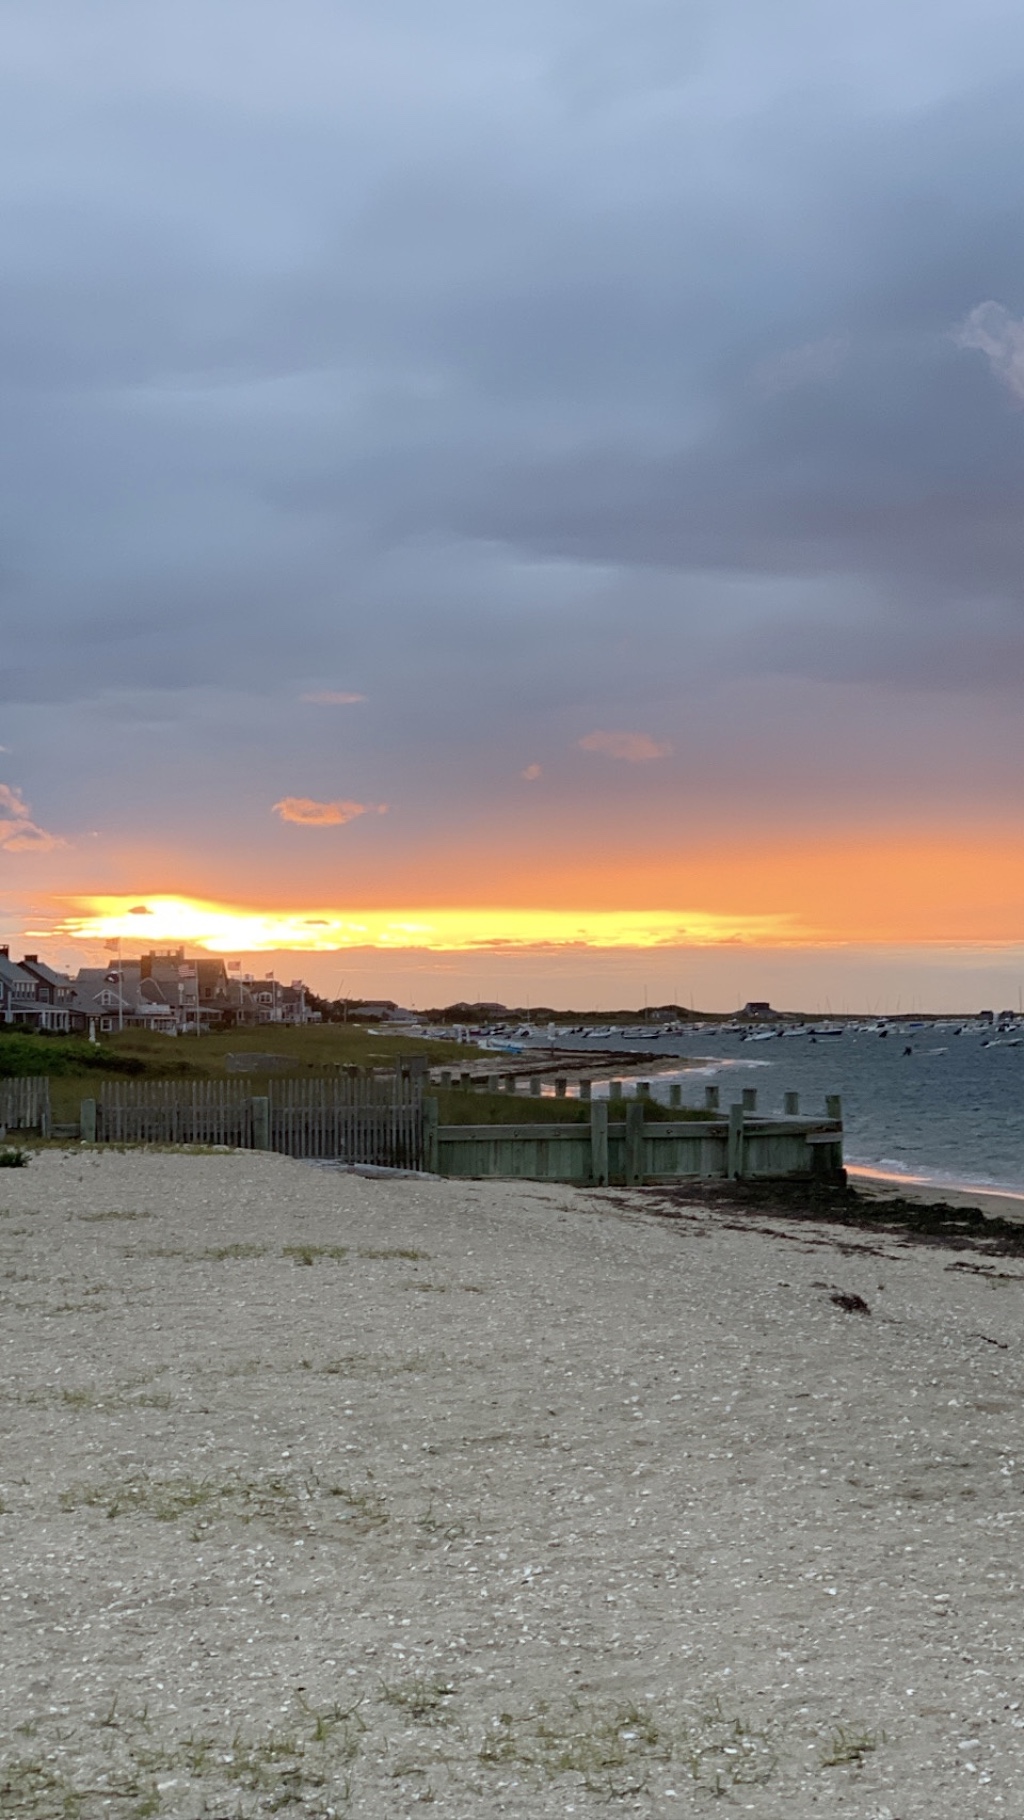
<point x="599" y="1143"/>
<point x="735" y="1158"/>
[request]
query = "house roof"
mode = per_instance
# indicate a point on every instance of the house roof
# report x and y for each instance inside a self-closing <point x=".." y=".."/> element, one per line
<point x="41" y="970"/>
<point x="13" y="975"/>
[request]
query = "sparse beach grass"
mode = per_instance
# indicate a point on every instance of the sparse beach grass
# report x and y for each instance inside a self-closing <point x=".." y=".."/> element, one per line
<point x="629" y="1533"/>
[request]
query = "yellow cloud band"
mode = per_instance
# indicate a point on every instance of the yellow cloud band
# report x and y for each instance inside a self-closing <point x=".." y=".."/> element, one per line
<point x="229" y="929"/>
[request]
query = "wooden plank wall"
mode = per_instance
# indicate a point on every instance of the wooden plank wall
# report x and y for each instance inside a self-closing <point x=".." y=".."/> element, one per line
<point x="637" y="1151"/>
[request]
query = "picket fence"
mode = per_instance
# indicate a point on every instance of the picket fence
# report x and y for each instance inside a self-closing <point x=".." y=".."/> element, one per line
<point x="25" y="1104"/>
<point x="373" y="1119"/>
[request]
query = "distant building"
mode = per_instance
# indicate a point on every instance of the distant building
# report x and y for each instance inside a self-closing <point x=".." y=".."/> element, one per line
<point x="757" y="1007"/>
<point x="165" y="991"/>
<point x="55" y="993"/>
<point x="19" y="995"/>
<point x="117" y="998"/>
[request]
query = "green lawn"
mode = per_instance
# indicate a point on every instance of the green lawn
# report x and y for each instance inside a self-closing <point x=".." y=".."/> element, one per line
<point x="313" y="1047"/>
<point x="309" y="1047"/>
<point x="75" y="1067"/>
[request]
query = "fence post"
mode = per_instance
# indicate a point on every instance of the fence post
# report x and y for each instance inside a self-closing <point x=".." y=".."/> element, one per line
<point x="711" y="1099"/>
<point x="87" y="1118"/>
<point x="599" y="1142"/>
<point x="634" y="1143"/>
<point x="261" y="1123"/>
<point x="431" y="1146"/>
<point x="643" y="1090"/>
<point x="791" y="1105"/>
<point x="750" y="1099"/>
<point x="735" y="1160"/>
<point x="561" y="1086"/>
<point x="45" y="1116"/>
<point x="446" y="1079"/>
<point x="615" y="1090"/>
<point x="675" y="1095"/>
<point x="535" y="1086"/>
<point x="492" y="1084"/>
<point x="834" y="1106"/>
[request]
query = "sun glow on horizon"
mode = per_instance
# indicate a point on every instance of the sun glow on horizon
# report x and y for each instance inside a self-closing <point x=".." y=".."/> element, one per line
<point x="223" y="928"/>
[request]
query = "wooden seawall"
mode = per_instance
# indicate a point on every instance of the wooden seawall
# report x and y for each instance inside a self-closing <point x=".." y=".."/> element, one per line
<point x="630" y="1150"/>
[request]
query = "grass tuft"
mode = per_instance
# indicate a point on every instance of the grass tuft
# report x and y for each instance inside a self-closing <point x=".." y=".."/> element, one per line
<point x="614" y="1748"/>
<point x="847" y="1746"/>
<point x="282" y="1503"/>
<point x="395" y="1251"/>
<point x="427" y="1701"/>
<point x="113" y="1213"/>
<point x="314" y="1254"/>
<point x="222" y="1254"/>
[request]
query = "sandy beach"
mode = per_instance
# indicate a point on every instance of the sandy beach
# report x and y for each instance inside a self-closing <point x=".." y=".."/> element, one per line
<point x="328" y="1495"/>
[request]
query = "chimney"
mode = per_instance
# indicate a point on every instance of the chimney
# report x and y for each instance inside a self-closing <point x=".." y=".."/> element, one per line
<point x="4" y="952"/>
<point x="32" y="957"/>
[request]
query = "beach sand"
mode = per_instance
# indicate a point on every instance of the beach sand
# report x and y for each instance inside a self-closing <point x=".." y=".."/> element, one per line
<point x="325" y="1495"/>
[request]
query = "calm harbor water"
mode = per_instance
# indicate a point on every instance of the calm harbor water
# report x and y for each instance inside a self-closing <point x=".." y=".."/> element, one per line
<point x="952" y="1111"/>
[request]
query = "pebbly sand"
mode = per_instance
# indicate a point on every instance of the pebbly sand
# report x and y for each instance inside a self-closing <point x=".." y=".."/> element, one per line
<point x="325" y="1495"/>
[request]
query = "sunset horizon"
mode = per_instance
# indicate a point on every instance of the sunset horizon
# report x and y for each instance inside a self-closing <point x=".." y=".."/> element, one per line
<point x="438" y="569"/>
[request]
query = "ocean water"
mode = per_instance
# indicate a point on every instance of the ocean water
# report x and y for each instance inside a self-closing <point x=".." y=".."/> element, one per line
<point x="951" y="1112"/>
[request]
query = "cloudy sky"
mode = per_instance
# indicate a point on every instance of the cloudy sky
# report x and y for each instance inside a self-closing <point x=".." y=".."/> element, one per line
<point x="561" y="461"/>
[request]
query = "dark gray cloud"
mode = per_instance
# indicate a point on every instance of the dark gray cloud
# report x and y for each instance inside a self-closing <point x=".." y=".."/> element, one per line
<point x="527" y="371"/>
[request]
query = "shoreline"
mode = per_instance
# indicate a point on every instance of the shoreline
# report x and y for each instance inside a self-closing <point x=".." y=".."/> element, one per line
<point x="880" y="1185"/>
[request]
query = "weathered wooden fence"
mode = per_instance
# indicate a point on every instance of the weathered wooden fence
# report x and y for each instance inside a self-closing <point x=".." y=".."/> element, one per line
<point x="367" y="1120"/>
<point x="631" y="1150"/>
<point x="384" y="1120"/>
<point x="25" y="1104"/>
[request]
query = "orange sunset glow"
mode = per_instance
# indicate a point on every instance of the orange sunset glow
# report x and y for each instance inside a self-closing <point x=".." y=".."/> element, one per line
<point x="224" y="929"/>
<point x="786" y="896"/>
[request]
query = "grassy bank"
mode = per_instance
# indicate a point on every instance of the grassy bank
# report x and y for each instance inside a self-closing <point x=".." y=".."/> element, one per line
<point x="457" y="1107"/>
<point x="75" y="1067"/>
<point x="145" y="1053"/>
